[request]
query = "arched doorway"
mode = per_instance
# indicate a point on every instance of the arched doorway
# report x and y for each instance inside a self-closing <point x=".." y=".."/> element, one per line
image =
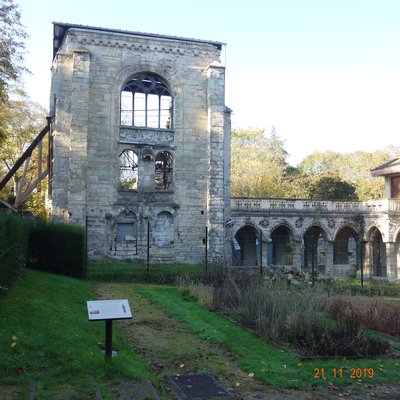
<point x="378" y="253"/>
<point x="246" y="246"/>
<point x="314" y="249"/>
<point x="282" y="246"/>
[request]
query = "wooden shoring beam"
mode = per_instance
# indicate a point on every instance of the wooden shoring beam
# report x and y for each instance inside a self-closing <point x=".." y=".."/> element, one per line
<point x="21" y="182"/>
<point x="27" y="153"/>
<point x="32" y="186"/>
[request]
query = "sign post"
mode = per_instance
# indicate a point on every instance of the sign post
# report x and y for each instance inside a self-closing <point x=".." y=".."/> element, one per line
<point x="108" y="310"/>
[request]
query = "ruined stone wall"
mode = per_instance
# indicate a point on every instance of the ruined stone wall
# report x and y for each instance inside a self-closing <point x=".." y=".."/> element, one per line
<point x="89" y="71"/>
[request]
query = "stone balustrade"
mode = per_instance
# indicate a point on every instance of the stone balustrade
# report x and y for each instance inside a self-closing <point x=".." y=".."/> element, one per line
<point x="315" y="206"/>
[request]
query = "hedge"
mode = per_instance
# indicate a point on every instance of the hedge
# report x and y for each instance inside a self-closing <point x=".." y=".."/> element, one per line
<point x="59" y="249"/>
<point x="14" y="234"/>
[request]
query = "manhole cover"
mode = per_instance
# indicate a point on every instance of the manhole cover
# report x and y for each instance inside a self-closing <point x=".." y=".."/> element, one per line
<point x="201" y="386"/>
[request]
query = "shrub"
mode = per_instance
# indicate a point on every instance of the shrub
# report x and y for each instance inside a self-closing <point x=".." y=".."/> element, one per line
<point x="58" y="248"/>
<point x="14" y="233"/>
<point x="197" y="290"/>
<point x="372" y="313"/>
<point x="288" y="315"/>
<point x="344" y="340"/>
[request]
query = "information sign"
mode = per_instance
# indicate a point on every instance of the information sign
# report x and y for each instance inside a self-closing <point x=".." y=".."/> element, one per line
<point x="108" y="310"/>
<point x="99" y="310"/>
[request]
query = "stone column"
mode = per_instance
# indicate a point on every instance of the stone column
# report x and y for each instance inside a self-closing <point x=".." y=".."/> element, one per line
<point x="297" y="254"/>
<point x="367" y="267"/>
<point x="216" y="189"/>
<point x="329" y="258"/>
<point x="391" y="261"/>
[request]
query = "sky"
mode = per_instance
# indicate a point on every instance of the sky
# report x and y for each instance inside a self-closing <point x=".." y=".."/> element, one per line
<point x="324" y="73"/>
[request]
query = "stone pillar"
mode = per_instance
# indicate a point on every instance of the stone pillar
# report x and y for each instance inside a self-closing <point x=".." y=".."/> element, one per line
<point x="391" y="260"/>
<point x="367" y="267"/>
<point x="216" y="190"/>
<point x="329" y="258"/>
<point x="297" y="254"/>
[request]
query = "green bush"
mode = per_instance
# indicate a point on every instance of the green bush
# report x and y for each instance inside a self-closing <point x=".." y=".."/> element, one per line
<point x="58" y="248"/>
<point x="289" y="315"/>
<point x="14" y="233"/>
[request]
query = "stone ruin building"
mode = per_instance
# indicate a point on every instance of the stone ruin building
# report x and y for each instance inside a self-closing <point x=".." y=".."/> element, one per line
<point x="141" y="143"/>
<point x="139" y="155"/>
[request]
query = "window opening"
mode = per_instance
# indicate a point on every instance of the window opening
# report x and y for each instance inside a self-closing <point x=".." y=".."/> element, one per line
<point x="128" y="170"/>
<point x="163" y="170"/>
<point x="146" y="102"/>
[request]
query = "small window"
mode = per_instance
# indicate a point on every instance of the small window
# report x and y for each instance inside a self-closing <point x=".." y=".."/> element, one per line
<point x="128" y="170"/>
<point x="146" y="101"/>
<point x="163" y="170"/>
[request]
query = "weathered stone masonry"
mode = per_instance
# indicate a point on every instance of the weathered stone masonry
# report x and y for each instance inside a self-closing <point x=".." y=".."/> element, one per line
<point x="90" y="68"/>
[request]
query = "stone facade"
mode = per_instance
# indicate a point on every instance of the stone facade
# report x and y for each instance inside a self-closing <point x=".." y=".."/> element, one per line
<point x="90" y="69"/>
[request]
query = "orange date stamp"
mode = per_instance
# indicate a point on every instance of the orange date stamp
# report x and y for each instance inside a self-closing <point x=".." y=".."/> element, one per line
<point x="340" y="373"/>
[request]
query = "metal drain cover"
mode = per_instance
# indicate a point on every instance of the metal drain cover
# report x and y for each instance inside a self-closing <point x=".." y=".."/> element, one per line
<point x="197" y="387"/>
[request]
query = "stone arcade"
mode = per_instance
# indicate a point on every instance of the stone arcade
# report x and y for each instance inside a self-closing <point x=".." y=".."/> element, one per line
<point x="141" y="155"/>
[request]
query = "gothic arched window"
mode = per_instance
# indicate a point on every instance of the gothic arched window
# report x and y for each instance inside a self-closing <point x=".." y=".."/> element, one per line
<point x="163" y="170"/>
<point x="146" y="101"/>
<point x="128" y="170"/>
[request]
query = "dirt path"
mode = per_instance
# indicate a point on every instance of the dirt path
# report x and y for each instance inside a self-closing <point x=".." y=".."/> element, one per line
<point x="169" y="349"/>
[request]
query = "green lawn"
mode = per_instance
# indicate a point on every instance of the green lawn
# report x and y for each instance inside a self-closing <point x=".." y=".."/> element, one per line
<point x="46" y="338"/>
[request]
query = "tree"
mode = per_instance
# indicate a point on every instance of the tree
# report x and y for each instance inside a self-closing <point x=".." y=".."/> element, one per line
<point x="328" y="186"/>
<point x="258" y="164"/>
<point x="24" y="120"/>
<point x="12" y="45"/>
<point x="352" y="168"/>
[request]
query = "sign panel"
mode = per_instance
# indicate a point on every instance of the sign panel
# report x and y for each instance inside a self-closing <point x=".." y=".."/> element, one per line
<point x="99" y="310"/>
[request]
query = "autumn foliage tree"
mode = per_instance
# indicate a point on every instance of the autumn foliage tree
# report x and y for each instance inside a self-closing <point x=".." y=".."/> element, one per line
<point x="259" y="169"/>
<point x="258" y="164"/>
<point x="12" y="48"/>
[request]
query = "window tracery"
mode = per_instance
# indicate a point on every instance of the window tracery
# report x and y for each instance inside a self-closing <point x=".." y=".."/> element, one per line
<point x="146" y="101"/>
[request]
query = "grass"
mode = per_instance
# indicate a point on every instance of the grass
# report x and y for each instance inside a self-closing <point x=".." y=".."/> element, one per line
<point x="269" y="365"/>
<point x="45" y="337"/>
<point x="136" y="272"/>
<point x="166" y="344"/>
<point x="371" y="287"/>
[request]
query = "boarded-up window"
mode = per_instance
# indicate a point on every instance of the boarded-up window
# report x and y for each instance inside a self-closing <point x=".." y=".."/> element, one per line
<point x="164" y="230"/>
<point x="125" y="232"/>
